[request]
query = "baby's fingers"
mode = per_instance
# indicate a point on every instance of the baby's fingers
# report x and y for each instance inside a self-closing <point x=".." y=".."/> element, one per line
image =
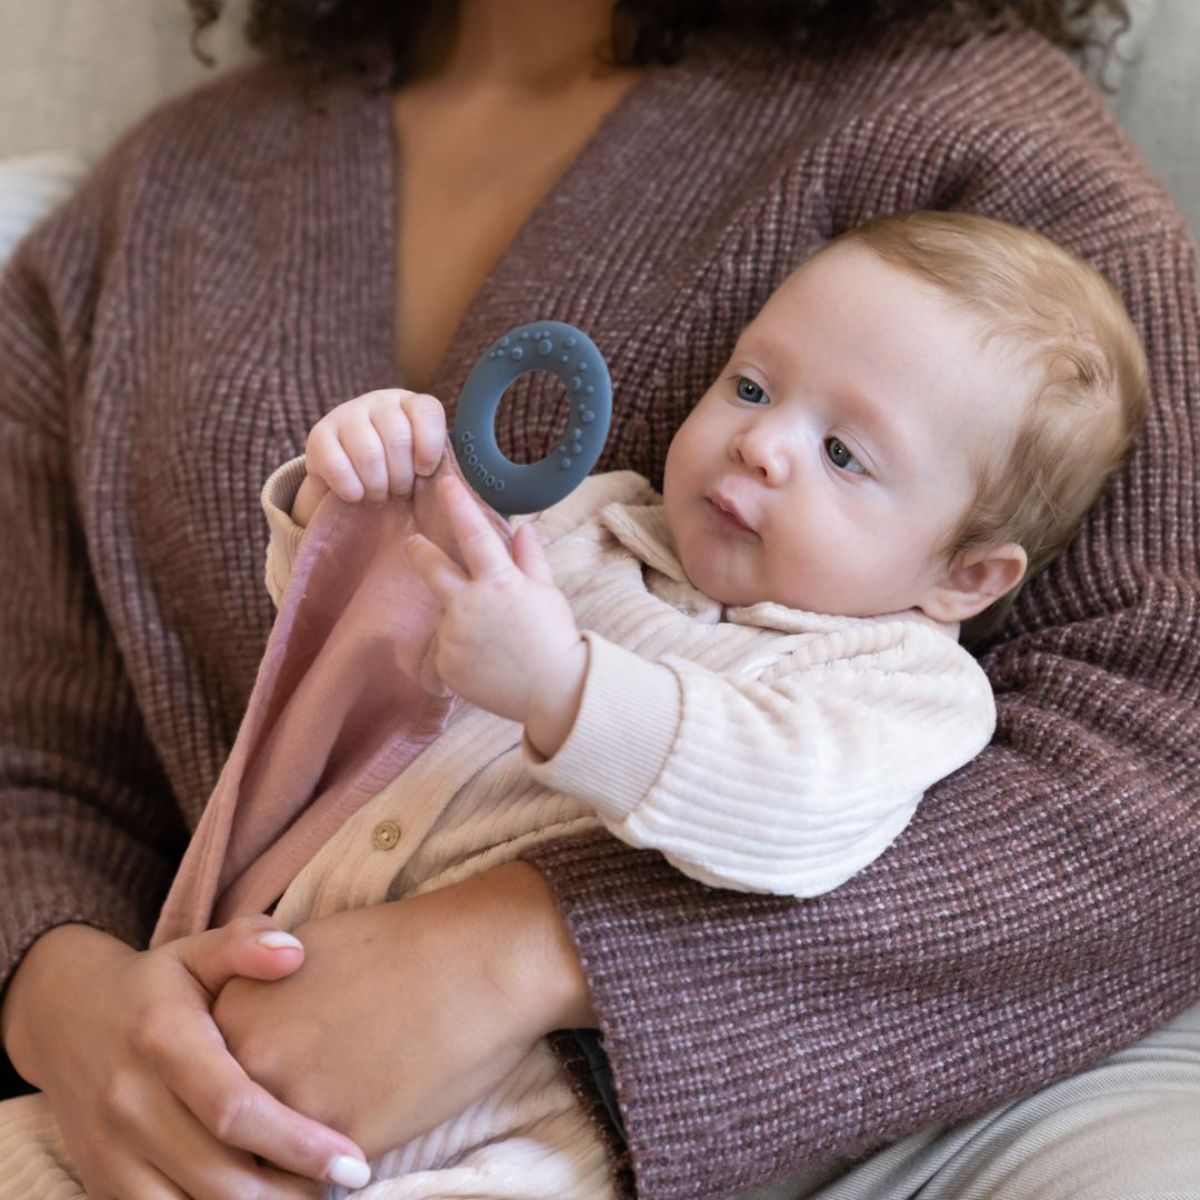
<point x="412" y="428"/>
<point x="325" y="459"/>
<point x="395" y="432"/>
<point x="442" y="575"/>
<point x="427" y="418"/>
<point x="483" y="550"/>
<point x="528" y="554"/>
<point x="368" y="455"/>
<point x="427" y="673"/>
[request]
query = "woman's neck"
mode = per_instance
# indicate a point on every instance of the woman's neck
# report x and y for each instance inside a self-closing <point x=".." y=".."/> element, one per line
<point x="531" y="47"/>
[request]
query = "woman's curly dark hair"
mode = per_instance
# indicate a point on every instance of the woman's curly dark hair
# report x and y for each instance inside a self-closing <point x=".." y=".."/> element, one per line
<point x="361" y="36"/>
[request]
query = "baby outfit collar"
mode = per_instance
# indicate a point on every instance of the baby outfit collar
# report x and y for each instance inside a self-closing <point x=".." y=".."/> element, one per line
<point x="642" y="530"/>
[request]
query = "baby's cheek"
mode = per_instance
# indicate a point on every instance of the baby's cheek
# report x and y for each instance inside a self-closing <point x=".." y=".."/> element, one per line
<point x="797" y="571"/>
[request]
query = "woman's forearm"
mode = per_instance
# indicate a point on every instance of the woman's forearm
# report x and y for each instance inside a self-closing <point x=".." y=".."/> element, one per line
<point x="542" y="970"/>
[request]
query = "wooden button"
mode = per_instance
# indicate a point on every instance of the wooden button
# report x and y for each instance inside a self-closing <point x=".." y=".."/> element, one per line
<point x="386" y="835"/>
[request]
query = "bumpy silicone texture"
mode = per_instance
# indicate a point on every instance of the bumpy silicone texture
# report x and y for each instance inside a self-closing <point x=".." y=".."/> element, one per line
<point x="564" y="351"/>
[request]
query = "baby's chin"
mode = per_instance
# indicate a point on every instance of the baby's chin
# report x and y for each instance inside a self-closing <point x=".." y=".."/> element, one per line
<point x="716" y="584"/>
<point x="721" y="580"/>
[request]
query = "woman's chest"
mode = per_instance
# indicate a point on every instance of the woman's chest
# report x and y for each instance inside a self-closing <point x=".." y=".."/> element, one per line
<point x="465" y="184"/>
<point x="451" y="229"/>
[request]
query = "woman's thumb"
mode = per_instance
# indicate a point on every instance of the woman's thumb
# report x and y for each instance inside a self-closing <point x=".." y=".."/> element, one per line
<point x="250" y="947"/>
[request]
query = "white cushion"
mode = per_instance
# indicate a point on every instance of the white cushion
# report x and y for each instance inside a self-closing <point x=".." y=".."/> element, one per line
<point x="1158" y="95"/>
<point x="30" y="186"/>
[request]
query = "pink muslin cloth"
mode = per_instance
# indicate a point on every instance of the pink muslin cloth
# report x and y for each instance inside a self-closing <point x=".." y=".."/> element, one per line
<point x="336" y="711"/>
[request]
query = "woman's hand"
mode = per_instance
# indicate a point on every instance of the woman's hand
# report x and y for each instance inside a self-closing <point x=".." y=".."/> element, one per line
<point x="150" y="1103"/>
<point x="371" y="447"/>
<point x="404" y="1013"/>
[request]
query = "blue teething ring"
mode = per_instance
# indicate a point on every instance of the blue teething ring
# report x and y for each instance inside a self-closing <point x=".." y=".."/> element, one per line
<point x="566" y="352"/>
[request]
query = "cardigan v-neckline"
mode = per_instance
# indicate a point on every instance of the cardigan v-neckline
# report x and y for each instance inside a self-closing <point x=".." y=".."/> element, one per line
<point x="598" y="223"/>
<point x="561" y="198"/>
<point x="585" y="206"/>
<point x="464" y="187"/>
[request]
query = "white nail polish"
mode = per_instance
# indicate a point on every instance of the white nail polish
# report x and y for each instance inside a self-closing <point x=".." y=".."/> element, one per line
<point x="348" y="1172"/>
<point x="278" y="940"/>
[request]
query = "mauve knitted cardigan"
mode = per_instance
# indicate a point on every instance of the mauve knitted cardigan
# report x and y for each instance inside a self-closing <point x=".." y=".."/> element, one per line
<point x="226" y="275"/>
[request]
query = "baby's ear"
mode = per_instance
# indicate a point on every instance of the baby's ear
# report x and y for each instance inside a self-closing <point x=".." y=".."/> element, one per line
<point x="969" y="586"/>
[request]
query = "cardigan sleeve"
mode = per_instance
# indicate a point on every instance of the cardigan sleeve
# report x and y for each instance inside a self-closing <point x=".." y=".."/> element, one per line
<point x="88" y="832"/>
<point x="278" y="495"/>
<point x="789" y="784"/>
<point x="1042" y="908"/>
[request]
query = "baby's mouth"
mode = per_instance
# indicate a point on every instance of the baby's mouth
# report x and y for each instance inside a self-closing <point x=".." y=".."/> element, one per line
<point x="727" y="514"/>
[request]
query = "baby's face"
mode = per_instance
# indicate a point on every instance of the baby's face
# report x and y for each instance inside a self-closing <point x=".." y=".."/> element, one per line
<point x="833" y="455"/>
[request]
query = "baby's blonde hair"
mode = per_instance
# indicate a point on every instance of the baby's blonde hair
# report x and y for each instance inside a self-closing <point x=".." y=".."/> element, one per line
<point x="1090" y="396"/>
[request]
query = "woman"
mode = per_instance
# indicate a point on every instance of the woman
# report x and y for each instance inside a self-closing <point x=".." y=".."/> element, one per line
<point x="224" y="277"/>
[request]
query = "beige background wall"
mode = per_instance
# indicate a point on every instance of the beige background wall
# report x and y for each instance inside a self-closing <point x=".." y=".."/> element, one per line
<point x="74" y="73"/>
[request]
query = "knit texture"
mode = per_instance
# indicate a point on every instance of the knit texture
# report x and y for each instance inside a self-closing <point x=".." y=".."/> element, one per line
<point x="225" y="276"/>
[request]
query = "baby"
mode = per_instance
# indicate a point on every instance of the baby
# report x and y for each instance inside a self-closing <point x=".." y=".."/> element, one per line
<point x="915" y="421"/>
<point x="759" y="672"/>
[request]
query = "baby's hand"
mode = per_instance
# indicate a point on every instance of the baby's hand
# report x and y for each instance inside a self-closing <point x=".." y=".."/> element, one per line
<point x="371" y="447"/>
<point x="507" y="639"/>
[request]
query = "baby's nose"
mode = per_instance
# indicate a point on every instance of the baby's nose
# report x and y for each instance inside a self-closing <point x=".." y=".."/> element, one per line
<point x="763" y="453"/>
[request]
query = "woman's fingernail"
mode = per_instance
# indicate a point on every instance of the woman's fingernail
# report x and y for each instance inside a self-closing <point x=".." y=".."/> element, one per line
<point x="278" y="940"/>
<point x="348" y="1172"/>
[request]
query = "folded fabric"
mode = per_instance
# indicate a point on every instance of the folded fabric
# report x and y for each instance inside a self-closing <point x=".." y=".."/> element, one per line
<point x="336" y="711"/>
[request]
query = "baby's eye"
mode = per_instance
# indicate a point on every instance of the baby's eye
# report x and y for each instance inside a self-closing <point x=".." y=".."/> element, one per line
<point x="842" y="458"/>
<point x="749" y="391"/>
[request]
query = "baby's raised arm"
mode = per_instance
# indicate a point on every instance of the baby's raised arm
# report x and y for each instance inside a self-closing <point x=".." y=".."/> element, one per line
<point x="370" y="448"/>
